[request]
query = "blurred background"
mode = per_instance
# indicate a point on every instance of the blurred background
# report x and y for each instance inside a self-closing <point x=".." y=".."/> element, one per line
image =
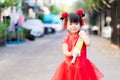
<point x="31" y="33"/>
<point x="17" y="16"/>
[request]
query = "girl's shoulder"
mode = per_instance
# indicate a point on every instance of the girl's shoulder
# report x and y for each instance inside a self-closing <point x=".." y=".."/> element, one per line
<point x="70" y="38"/>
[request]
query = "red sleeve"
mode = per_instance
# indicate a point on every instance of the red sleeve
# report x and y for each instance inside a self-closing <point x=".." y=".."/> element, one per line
<point x="64" y="40"/>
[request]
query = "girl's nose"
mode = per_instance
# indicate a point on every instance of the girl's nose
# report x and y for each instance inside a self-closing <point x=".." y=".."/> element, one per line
<point x="73" y="25"/>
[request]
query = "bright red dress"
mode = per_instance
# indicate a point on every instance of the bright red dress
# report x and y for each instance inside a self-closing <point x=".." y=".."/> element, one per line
<point x="82" y="69"/>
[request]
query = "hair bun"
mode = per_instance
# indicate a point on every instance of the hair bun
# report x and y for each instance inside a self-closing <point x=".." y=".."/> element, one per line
<point x="80" y="12"/>
<point x="64" y="15"/>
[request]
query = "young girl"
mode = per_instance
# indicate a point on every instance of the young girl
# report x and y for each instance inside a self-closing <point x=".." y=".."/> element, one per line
<point x="83" y="68"/>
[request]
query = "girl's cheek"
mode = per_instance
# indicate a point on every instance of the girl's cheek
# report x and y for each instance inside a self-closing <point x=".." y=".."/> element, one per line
<point x="68" y="26"/>
<point x="78" y="26"/>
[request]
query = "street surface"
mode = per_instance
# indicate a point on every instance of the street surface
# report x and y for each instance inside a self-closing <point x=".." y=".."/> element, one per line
<point x="38" y="60"/>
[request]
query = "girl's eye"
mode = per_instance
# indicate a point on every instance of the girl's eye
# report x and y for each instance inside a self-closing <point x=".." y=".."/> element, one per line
<point x="76" y="23"/>
<point x="70" y="24"/>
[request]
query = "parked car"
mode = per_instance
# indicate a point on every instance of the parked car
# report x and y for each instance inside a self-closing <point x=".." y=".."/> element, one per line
<point x="53" y="21"/>
<point x="107" y="31"/>
<point x="49" y="30"/>
<point x="55" y="27"/>
<point x="35" y="26"/>
<point x="95" y="29"/>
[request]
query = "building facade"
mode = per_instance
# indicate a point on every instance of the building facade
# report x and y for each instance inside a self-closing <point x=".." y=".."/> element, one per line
<point x="115" y="14"/>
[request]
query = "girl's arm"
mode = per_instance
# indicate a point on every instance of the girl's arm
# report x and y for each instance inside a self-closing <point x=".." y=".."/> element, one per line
<point x="65" y="50"/>
<point x="85" y="37"/>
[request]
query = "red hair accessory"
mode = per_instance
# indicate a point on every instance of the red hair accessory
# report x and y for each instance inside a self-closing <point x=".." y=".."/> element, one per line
<point x="80" y="12"/>
<point x="82" y="24"/>
<point x="64" y="15"/>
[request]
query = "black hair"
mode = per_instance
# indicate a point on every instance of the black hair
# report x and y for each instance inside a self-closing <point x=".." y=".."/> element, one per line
<point x="74" y="18"/>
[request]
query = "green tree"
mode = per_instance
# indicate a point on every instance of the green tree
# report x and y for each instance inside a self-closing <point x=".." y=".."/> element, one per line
<point x="88" y="4"/>
<point x="53" y="9"/>
<point x="77" y="5"/>
<point x="8" y="3"/>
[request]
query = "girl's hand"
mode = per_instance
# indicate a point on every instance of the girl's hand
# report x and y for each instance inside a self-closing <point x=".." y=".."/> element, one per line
<point x="74" y="57"/>
<point x="85" y="37"/>
<point x="82" y="32"/>
<point x="75" y="54"/>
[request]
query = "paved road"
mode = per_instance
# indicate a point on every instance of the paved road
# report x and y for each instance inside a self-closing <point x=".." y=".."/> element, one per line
<point x="38" y="60"/>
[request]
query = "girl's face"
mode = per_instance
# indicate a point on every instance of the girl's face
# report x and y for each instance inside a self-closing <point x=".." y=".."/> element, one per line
<point x="73" y="27"/>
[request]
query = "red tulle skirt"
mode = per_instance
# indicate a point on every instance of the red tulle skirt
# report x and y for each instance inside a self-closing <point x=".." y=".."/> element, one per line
<point x="82" y="69"/>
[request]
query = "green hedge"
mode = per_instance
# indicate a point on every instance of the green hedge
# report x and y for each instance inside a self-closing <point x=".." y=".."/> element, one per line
<point x="3" y="27"/>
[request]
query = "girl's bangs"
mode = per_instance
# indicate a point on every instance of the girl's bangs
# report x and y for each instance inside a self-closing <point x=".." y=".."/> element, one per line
<point x="74" y="19"/>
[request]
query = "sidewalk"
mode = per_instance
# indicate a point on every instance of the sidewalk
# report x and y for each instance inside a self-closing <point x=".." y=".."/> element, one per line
<point x="105" y="45"/>
<point x="105" y="57"/>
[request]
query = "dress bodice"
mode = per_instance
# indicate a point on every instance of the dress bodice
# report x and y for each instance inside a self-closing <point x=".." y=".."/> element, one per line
<point x="71" y="40"/>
